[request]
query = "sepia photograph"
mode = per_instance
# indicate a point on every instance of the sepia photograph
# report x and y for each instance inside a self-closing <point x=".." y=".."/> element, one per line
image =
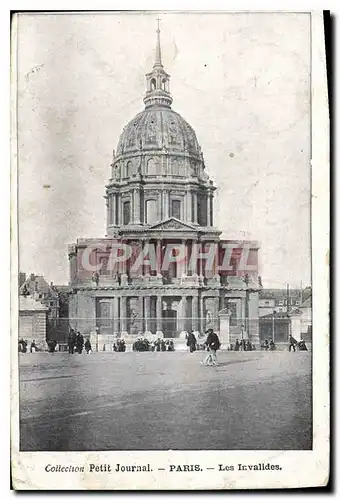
<point x="164" y="280"/>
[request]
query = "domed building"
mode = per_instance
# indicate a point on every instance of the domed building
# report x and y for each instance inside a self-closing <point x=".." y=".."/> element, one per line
<point x="158" y="171"/>
<point x="150" y="274"/>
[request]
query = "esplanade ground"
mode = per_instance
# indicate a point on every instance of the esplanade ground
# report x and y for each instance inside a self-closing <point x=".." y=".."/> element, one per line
<point x="165" y="400"/>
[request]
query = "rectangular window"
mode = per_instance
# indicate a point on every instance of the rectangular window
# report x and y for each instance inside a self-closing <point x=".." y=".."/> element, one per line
<point x="176" y="209"/>
<point x="126" y="212"/>
<point x="105" y="319"/>
<point x="202" y="210"/>
<point x="232" y="306"/>
<point x="151" y="215"/>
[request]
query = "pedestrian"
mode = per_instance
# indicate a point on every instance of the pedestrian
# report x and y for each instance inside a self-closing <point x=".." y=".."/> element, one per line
<point x="302" y="346"/>
<point x="237" y="345"/>
<point x="33" y="347"/>
<point x="213" y="344"/>
<point x="266" y="344"/>
<point x="292" y="343"/>
<point x="71" y="341"/>
<point x="191" y="342"/>
<point x="272" y="346"/>
<point x="79" y="343"/>
<point x="88" y="347"/>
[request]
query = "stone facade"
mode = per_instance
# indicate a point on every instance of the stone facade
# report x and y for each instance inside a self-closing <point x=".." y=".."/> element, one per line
<point x="160" y="194"/>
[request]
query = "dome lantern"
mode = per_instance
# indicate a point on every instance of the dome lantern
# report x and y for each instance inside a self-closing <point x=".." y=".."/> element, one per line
<point x="158" y="81"/>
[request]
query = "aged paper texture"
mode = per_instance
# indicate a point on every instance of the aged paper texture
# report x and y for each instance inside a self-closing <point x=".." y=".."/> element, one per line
<point x="170" y="228"/>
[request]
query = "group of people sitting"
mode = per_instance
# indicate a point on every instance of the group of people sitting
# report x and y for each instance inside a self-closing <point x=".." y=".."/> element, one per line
<point x="242" y="345"/>
<point x="158" y="345"/>
<point x="120" y="346"/>
<point x="22" y="346"/>
<point x="268" y="345"/>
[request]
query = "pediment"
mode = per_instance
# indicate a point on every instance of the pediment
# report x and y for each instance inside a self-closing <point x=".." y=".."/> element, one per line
<point x="173" y="223"/>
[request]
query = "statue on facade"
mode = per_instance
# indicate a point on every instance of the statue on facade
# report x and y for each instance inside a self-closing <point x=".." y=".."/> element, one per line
<point x="113" y="155"/>
<point x="208" y="318"/>
<point x="95" y="278"/>
<point x="259" y="279"/>
<point x="133" y="322"/>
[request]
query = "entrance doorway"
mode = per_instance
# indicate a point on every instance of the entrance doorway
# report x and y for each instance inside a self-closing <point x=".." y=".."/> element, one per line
<point x="169" y="323"/>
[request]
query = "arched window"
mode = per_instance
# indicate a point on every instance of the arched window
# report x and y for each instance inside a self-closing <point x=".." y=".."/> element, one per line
<point x="128" y="169"/>
<point x="163" y="84"/>
<point x="153" y="84"/>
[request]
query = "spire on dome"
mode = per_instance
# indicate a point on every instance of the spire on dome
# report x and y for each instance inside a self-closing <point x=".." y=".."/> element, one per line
<point x="157" y="81"/>
<point x="158" y="58"/>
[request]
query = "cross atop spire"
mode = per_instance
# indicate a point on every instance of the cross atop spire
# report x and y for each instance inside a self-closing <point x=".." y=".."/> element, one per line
<point x="158" y="58"/>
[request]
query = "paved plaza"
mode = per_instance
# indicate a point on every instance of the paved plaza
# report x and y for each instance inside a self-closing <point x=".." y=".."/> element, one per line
<point x="165" y="400"/>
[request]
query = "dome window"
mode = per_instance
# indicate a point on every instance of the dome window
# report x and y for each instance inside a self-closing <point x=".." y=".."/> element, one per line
<point x="126" y="213"/>
<point x="151" y="214"/>
<point x="176" y="209"/>
<point x="153" y="84"/>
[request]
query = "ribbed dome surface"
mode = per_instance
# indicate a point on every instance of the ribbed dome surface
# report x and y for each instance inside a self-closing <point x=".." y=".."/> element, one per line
<point x="158" y="128"/>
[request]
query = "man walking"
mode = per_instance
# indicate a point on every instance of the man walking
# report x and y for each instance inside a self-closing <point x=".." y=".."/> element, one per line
<point x="213" y="344"/>
<point x="191" y="342"/>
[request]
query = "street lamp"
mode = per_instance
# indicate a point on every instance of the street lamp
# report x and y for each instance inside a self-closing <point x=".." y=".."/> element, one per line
<point x="273" y="329"/>
<point x="246" y="280"/>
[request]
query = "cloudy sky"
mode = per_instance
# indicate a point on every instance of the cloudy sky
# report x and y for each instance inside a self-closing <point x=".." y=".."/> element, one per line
<point x="241" y="80"/>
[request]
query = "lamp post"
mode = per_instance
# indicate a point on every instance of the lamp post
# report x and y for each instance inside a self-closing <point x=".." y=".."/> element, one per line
<point x="246" y="280"/>
<point x="273" y="329"/>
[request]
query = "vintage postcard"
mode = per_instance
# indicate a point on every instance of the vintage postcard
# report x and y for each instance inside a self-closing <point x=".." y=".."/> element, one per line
<point x="170" y="228"/>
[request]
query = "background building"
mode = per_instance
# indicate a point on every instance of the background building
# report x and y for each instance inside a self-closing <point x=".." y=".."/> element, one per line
<point x="159" y="193"/>
<point x="32" y="321"/>
<point x="277" y="320"/>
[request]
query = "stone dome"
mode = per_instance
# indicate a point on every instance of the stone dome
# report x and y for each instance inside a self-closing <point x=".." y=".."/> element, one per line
<point x="158" y="128"/>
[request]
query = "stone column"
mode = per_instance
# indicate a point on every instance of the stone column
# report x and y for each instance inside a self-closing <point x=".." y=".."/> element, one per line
<point x="195" y="207"/>
<point x="123" y="316"/>
<point x="116" y="316"/>
<point x="119" y="218"/>
<point x="159" y="259"/>
<point x="123" y="270"/>
<point x="208" y="209"/>
<point x="215" y="312"/>
<point x="201" y="311"/>
<point x="113" y="209"/>
<point x="212" y="210"/>
<point x="182" y="265"/>
<point x="195" y="315"/>
<point x="147" y="306"/>
<point x="159" y="311"/>
<point x="108" y="210"/>
<point x="136" y="205"/>
<point x="141" y="315"/>
<point x="189" y="206"/>
<point x="166" y="204"/>
<point x="183" y="316"/>
<point x="200" y="263"/>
